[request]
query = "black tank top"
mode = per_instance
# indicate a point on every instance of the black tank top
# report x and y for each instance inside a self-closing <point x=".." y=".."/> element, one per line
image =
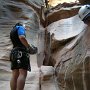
<point x="15" y="38"/>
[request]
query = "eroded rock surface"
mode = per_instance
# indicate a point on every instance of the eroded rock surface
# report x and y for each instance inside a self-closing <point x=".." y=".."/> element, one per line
<point x="73" y="70"/>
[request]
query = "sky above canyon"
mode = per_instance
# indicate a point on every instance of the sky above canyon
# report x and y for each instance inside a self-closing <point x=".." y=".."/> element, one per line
<point x="55" y="2"/>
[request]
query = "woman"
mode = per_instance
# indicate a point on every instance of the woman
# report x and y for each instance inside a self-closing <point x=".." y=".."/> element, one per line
<point x="19" y="57"/>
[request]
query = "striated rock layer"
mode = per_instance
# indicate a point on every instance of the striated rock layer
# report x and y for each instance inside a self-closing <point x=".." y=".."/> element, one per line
<point x="61" y="14"/>
<point x="18" y="9"/>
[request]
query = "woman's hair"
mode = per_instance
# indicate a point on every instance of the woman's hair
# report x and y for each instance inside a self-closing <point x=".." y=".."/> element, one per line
<point x="18" y="24"/>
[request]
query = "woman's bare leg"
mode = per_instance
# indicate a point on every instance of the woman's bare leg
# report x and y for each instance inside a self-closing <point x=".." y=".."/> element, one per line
<point x="13" y="82"/>
<point x="21" y="79"/>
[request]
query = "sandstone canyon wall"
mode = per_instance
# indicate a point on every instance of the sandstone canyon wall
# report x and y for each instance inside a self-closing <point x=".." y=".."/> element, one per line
<point x="67" y="43"/>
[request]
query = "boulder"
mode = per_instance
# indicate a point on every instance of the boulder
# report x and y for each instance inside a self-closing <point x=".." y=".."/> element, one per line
<point x="63" y="32"/>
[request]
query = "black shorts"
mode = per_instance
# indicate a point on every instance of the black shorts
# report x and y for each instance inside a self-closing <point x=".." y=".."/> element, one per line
<point x="20" y="62"/>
